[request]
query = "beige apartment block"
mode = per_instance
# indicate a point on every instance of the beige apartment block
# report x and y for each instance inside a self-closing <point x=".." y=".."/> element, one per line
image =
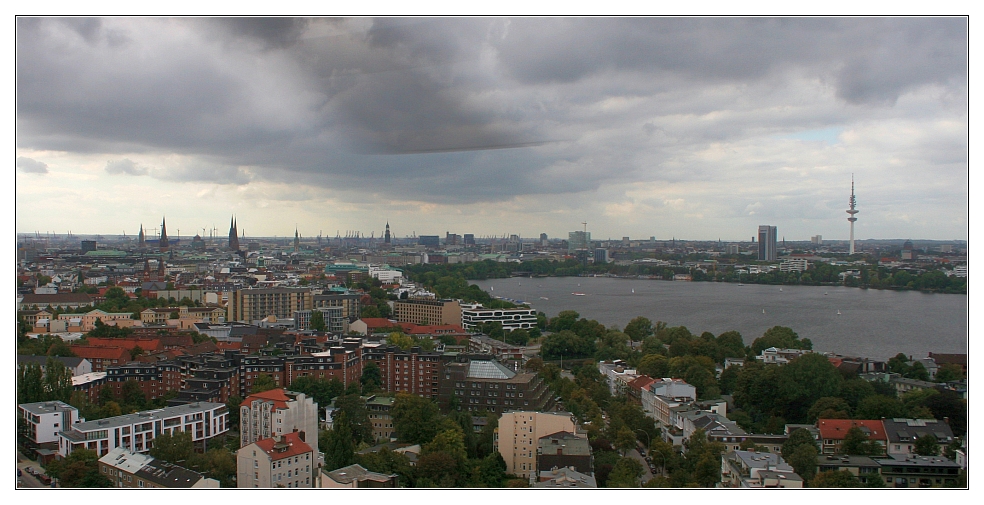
<point x="519" y="432"/>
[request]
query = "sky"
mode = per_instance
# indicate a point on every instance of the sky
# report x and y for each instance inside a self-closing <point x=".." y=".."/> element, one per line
<point x="693" y="128"/>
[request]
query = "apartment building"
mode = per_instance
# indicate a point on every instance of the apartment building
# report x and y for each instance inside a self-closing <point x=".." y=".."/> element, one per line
<point x="140" y="471"/>
<point x="427" y="312"/>
<point x="44" y="420"/>
<point x="349" y="302"/>
<point x="412" y="371"/>
<point x="473" y="316"/>
<point x="481" y="383"/>
<point x="283" y="461"/>
<point x="136" y="432"/>
<point x="276" y="413"/>
<point x="517" y="437"/>
<point x="247" y="305"/>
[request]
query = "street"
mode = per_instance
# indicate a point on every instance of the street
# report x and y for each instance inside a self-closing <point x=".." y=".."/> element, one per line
<point x="646" y="472"/>
<point x="27" y="480"/>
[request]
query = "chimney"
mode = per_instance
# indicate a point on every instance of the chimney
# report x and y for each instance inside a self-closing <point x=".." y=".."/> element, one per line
<point x="300" y="434"/>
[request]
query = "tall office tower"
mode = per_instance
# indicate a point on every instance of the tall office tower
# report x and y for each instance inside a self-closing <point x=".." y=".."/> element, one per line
<point x="578" y="240"/>
<point x="767" y="243"/>
<point x="163" y="243"/>
<point x="233" y="235"/>
<point x="852" y="211"/>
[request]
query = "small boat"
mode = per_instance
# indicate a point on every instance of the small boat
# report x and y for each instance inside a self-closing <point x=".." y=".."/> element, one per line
<point x="824" y="293"/>
<point x="838" y="312"/>
<point x="763" y="311"/>
<point x="544" y="298"/>
<point x="780" y="289"/>
<point x="579" y="284"/>
<point x="578" y="294"/>
<point x="633" y="290"/>
<point x="491" y="288"/>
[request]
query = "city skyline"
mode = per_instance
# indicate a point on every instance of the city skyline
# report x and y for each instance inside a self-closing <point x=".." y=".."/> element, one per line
<point x="639" y="127"/>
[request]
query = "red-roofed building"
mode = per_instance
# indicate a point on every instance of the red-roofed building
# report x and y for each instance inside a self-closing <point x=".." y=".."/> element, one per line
<point x="286" y="461"/>
<point x="832" y="432"/>
<point x="222" y="346"/>
<point x="147" y="344"/>
<point x="101" y="357"/>
<point x="277" y="412"/>
<point x="368" y="325"/>
<point x="636" y="386"/>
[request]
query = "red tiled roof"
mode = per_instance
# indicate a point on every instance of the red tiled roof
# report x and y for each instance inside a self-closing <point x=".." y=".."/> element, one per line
<point x="432" y="329"/>
<point x="641" y="382"/>
<point x="229" y="345"/>
<point x="835" y="429"/>
<point x="91" y="352"/>
<point x="276" y="396"/>
<point x="147" y="344"/>
<point x="295" y="446"/>
<point x="378" y="322"/>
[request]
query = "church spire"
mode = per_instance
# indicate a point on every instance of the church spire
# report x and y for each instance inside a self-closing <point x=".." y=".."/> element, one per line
<point x="163" y="242"/>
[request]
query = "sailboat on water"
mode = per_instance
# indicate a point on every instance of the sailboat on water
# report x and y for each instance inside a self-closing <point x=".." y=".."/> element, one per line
<point x="739" y="278"/>
<point x="838" y="312"/>
<point x="633" y="290"/>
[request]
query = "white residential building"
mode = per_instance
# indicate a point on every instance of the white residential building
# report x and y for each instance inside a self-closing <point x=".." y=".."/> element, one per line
<point x="46" y="419"/>
<point x="664" y="394"/>
<point x="473" y="316"/>
<point x="136" y="431"/>
<point x="750" y="469"/>
<point x="286" y="461"/>
<point x="276" y="413"/>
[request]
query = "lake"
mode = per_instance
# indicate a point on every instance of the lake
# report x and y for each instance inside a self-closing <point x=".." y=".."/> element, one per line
<point x="871" y="323"/>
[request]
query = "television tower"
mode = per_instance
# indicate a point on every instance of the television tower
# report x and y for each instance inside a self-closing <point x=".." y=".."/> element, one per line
<point x="852" y="211"/>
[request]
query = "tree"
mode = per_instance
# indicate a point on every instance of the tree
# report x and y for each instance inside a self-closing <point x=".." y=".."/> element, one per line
<point x="949" y="373"/>
<point x="372" y="378"/>
<point x="639" y="328"/>
<point x="878" y="406"/>
<point x="30" y="383"/>
<point x="798" y="437"/>
<point x="356" y="415"/>
<point x="78" y="469"/>
<point x="625" y="440"/>
<point x="805" y="380"/>
<point x="518" y="337"/>
<point x="337" y="444"/>
<point x="654" y="365"/>
<point x="263" y="383"/>
<point x="927" y="445"/>
<point x="492" y="471"/>
<point x="804" y="461"/>
<point x="400" y="340"/>
<point x="835" y="478"/>
<point x="829" y="407"/>
<point x="317" y="321"/>
<point x="386" y="461"/>
<point x="133" y="395"/>
<point x="176" y="449"/>
<point x="780" y="337"/>
<point x="856" y="443"/>
<point x="438" y="469"/>
<point x="219" y="463"/>
<point x="625" y="473"/>
<point x="415" y="419"/>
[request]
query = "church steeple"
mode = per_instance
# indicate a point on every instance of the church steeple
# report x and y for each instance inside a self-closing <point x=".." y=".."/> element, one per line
<point x="163" y="243"/>
<point x="141" y="239"/>
<point x="233" y="235"/>
<point x="297" y="240"/>
<point x="386" y="238"/>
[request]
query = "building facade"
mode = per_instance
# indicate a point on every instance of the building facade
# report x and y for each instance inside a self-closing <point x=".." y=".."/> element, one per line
<point x="136" y="432"/>
<point x="247" y="305"/>
<point x="767" y="250"/>
<point x="140" y="471"/>
<point x="284" y="461"/>
<point x="518" y="435"/>
<point x="45" y="419"/>
<point x="276" y="413"/>
<point x="427" y="312"/>
<point x="481" y="383"/>
<point x="474" y="316"/>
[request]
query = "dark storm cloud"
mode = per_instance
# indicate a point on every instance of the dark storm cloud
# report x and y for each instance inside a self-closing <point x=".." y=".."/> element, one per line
<point x="482" y="109"/>
<point x="31" y="166"/>
<point x="270" y="32"/>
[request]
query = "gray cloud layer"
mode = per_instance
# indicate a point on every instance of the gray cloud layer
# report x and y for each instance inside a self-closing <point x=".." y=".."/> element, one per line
<point x="464" y="109"/>
<point x="31" y="166"/>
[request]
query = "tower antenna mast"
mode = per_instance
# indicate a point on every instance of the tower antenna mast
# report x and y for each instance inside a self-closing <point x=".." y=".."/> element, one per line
<point x="852" y="211"/>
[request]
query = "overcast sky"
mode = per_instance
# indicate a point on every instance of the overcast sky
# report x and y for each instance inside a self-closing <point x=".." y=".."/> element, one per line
<point x="695" y="128"/>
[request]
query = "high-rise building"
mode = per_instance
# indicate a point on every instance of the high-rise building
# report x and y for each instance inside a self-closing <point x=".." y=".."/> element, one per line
<point x="817" y="239"/>
<point x="578" y="240"/>
<point x="422" y="311"/>
<point x="520" y="433"/>
<point x="469" y="238"/>
<point x="386" y="239"/>
<point x="767" y="243"/>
